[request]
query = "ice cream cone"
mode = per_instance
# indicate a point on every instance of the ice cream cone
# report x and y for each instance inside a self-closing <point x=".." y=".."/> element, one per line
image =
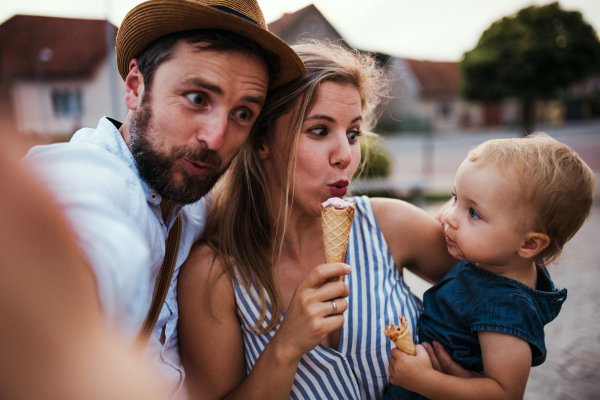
<point x="400" y="335"/>
<point x="336" y="231"/>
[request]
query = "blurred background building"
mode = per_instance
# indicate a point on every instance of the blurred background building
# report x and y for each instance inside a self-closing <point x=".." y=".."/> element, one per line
<point x="58" y="74"/>
<point x="425" y="95"/>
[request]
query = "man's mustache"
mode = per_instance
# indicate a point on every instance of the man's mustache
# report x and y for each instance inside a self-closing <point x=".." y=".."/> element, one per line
<point x="205" y="156"/>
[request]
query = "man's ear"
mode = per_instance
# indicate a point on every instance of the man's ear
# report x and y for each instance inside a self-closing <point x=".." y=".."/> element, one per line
<point x="533" y="244"/>
<point x="264" y="151"/>
<point x="134" y="86"/>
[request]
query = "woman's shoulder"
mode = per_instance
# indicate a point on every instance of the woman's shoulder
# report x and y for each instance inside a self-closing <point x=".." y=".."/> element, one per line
<point x="204" y="268"/>
<point x="392" y="214"/>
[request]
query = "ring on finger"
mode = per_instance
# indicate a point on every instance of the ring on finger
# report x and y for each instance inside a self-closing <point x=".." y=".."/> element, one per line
<point x="334" y="307"/>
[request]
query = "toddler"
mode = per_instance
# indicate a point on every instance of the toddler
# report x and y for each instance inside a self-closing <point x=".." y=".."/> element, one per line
<point x="515" y="201"/>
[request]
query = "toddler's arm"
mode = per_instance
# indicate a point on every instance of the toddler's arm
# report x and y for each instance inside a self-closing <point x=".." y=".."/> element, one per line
<point x="506" y="363"/>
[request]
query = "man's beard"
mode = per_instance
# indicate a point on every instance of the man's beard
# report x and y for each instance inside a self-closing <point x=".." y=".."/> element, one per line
<point x="158" y="169"/>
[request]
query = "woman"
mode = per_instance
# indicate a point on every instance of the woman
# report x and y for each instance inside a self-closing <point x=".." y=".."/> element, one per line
<point x="257" y="318"/>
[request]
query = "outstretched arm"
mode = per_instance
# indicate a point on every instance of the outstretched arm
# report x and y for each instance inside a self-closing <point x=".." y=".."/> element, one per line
<point x="506" y="363"/>
<point x="414" y="238"/>
<point x="211" y="339"/>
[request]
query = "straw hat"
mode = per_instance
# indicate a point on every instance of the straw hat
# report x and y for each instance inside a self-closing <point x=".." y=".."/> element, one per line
<point x="155" y="18"/>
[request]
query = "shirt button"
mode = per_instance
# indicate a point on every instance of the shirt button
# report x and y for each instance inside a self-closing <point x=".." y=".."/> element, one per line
<point x="153" y="196"/>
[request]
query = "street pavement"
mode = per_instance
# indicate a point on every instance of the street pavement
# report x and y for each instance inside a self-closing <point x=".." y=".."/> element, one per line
<point x="572" y="367"/>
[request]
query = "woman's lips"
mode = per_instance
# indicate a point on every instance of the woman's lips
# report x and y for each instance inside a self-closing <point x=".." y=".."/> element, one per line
<point x="195" y="168"/>
<point x="337" y="191"/>
<point x="339" y="188"/>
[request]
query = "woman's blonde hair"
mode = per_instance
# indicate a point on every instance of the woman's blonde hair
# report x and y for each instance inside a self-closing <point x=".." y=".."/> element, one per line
<point x="246" y="225"/>
<point x="557" y="187"/>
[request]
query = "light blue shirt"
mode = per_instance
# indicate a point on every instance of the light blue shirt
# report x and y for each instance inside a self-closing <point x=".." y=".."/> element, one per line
<point x="117" y="219"/>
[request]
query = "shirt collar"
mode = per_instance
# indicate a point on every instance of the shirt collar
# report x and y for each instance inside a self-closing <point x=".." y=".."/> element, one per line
<point x="109" y="135"/>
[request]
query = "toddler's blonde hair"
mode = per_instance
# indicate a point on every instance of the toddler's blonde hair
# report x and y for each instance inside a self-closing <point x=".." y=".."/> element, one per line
<point x="557" y="186"/>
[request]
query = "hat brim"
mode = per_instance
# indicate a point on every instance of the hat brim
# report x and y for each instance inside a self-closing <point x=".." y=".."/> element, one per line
<point x="153" y="19"/>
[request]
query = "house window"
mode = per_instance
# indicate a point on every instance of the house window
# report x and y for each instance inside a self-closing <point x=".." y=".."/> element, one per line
<point x="67" y="102"/>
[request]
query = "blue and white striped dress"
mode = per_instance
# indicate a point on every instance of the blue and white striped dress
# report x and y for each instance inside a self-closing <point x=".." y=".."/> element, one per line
<point x="359" y="367"/>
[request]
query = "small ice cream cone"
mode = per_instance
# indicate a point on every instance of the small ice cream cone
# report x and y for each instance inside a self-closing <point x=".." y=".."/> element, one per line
<point x="336" y="232"/>
<point x="400" y="335"/>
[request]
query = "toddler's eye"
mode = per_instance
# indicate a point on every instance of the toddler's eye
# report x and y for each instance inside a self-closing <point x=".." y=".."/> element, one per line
<point x="473" y="214"/>
<point x="453" y="197"/>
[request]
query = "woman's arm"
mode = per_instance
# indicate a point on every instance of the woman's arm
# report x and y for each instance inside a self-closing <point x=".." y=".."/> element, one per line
<point x="506" y="363"/>
<point x="211" y="341"/>
<point x="414" y="238"/>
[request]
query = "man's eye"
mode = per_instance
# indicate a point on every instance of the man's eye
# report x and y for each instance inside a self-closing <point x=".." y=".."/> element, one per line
<point x="244" y="115"/>
<point x="473" y="214"/>
<point x="197" y="98"/>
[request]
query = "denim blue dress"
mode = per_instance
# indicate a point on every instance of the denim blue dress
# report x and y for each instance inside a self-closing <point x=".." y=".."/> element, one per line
<point x="470" y="299"/>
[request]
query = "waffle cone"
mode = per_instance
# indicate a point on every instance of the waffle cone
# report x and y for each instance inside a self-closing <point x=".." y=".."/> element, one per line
<point x="336" y="231"/>
<point x="400" y="335"/>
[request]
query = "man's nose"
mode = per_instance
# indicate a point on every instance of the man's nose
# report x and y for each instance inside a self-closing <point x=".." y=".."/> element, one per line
<point x="212" y="132"/>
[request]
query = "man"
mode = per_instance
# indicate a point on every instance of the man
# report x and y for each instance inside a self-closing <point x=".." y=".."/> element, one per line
<point x="196" y="74"/>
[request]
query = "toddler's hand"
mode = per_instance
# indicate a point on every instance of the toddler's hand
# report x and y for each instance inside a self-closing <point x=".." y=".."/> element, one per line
<point x="408" y="371"/>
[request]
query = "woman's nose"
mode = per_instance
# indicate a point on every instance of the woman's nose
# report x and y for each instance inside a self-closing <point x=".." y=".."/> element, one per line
<point x="341" y="155"/>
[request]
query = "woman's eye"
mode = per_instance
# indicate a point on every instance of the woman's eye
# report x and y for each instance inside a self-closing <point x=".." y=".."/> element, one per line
<point x="197" y="98"/>
<point x="353" y="135"/>
<point x="318" y="130"/>
<point x="473" y="214"/>
<point x="244" y="115"/>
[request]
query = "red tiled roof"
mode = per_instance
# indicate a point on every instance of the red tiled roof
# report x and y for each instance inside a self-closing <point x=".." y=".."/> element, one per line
<point x="276" y="27"/>
<point x="436" y="78"/>
<point x="78" y="45"/>
<point x="280" y="26"/>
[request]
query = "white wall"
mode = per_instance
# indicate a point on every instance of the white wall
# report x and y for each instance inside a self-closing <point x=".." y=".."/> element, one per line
<point x="33" y="102"/>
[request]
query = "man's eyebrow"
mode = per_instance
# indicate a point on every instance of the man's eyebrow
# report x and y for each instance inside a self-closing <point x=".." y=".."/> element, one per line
<point x="260" y="100"/>
<point x="203" y="84"/>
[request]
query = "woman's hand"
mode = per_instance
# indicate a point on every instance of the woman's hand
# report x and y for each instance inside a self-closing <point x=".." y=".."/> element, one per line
<point x="308" y="319"/>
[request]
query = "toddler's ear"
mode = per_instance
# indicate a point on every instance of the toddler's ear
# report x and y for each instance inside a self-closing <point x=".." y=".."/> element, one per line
<point x="533" y="244"/>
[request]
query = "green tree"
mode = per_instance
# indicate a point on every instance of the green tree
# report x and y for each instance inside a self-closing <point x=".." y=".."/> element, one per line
<point x="530" y="56"/>
<point x="377" y="163"/>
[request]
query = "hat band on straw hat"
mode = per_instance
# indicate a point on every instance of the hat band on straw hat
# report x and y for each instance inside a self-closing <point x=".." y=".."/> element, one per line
<point x="233" y="12"/>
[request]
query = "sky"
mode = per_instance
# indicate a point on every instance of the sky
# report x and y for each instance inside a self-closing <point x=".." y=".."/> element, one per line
<point x="438" y="30"/>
